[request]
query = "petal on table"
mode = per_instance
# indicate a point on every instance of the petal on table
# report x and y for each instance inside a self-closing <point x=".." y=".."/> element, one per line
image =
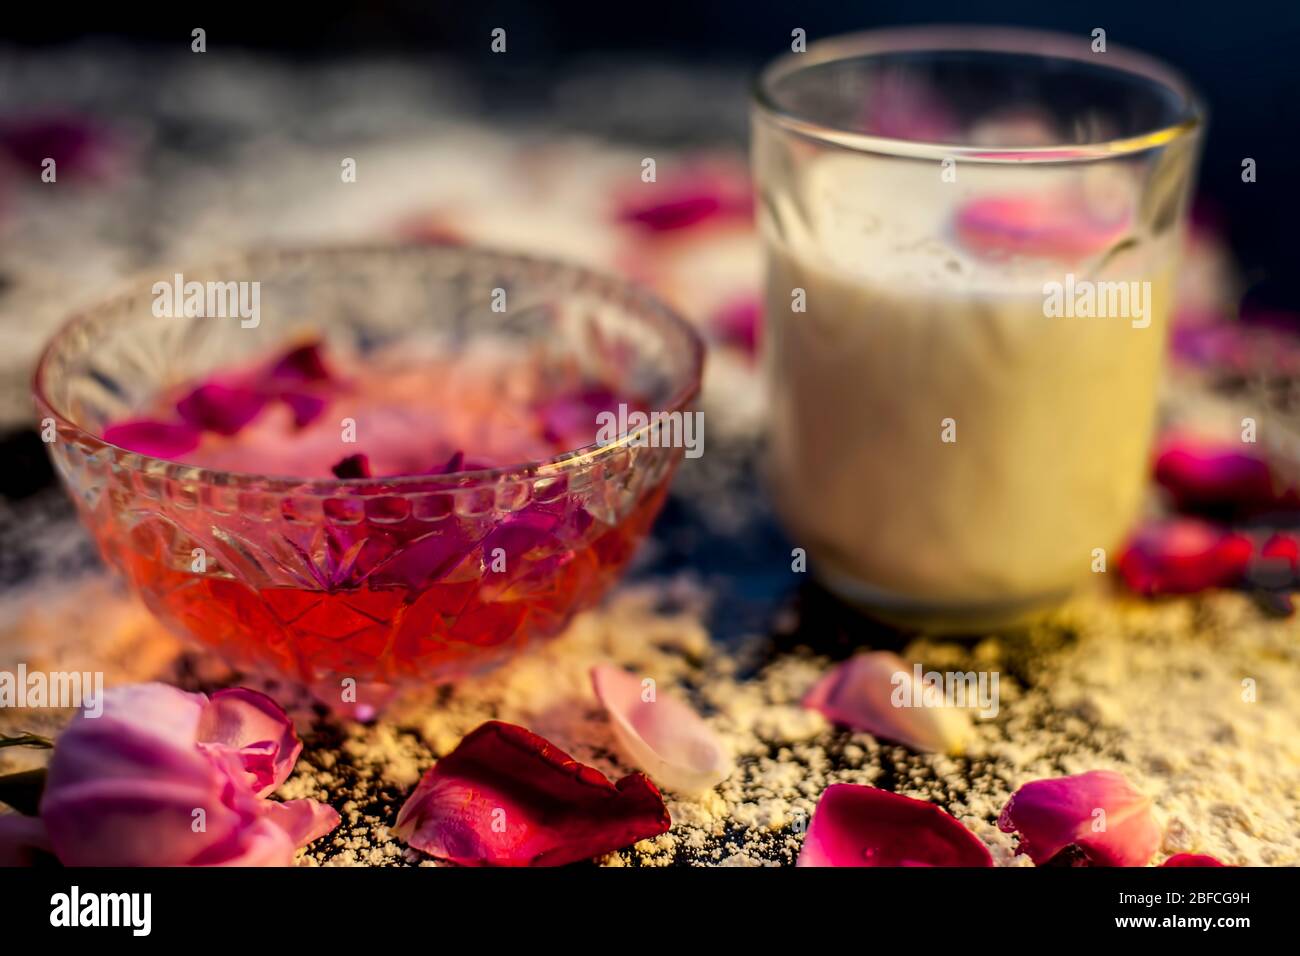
<point x="1098" y="812"/>
<point x="877" y="692"/>
<point x="1183" y="556"/>
<point x="303" y="820"/>
<point x="1191" y="859"/>
<point x="661" y="736"/>
<point x="506" y="797"/>
<point x="1202" y="474"/>
<point x="855" y="825"/>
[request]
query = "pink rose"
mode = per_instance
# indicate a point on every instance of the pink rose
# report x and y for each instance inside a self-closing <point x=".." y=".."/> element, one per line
<point x="168" y="778"/>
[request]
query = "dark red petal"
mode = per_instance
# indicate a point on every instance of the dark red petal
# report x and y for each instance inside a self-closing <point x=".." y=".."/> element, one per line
<point x="77" y="145"/>
<point x="1183" y="556"/>
<point x="353" y="466"/>
<point x="223" y="409"/>
<point x="1191" y="859"/>
<point x="306" y="408"/>
<point x="153" y="438"/>
<point x="865" y="826"/>
<point x="507" y="797"/>
<point x="304" y="363"/>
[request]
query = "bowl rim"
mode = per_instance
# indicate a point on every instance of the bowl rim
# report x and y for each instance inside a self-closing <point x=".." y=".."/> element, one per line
<point x="985" y="38"/>
<point x="637" y="298"/>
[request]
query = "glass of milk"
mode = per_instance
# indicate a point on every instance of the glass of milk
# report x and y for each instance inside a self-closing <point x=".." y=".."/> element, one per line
<point x="971" y="236"/>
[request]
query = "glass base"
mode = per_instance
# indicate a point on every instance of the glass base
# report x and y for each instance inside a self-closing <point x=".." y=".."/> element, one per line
<point x="934" y="617"/>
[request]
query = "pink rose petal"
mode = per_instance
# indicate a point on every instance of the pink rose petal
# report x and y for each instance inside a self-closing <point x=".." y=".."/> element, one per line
<point x="661" y="736"/>
<point x="1050" y="226"/>
<point x="862" y="692"/>
<point x="258" y="729"/>
<point x="739" y="321"/>
<point x="864" y="826"/>
<point x="153" y="438"/>
<point x="302" y="820"/>
<point x="506" y="797"/>
<point x="1220" y="477"/>
<point x="167" y="778"/>
<point x="1098" y="812"/>
<point x="1191" y="859"/>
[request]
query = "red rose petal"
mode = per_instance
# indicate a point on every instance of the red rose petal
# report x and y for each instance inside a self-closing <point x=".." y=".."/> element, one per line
<point x="865" y="826"/>
<point x="1183" y="556"/>
<point x="686" y="200"/>
<point x="1098" y="812"/>
<point x="1191" y="859"/>
<point x="153" y="438"/>
<point x="224" y="409"/>
<point x="507" y="797"/>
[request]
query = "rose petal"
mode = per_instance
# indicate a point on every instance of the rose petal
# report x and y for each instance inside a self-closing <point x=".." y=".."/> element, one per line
<point x="1191" y="859"/>
<point x="1050" y="226"/>
<point x="353" y="466"/>
<point x="506" y="797"/>
<point x="303" y="363"/>
<point x="1099" y="812"/>
<point x="855" y="825"/>
<point x="861" y="694"/>
<point x="255" y="727"/>
<point x="686" y="200"/>
<point x="223" y="409"/>
<point x="661" y="736"/>
<point x="738" y="322"/>
<point x="303" y="820"/>
<point x="78" y="146"/>
<point x="1183" y="556"/>
<point x="1216" y="477"/>
<point x="306" y="408"/>
<point x="153" y="438"/>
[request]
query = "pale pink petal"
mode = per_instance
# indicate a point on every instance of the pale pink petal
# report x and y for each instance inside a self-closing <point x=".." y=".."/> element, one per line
<point x="864" y="826"/>
<point x="1099" y="812"/>
<point x="661" y="736"/>
<point x="303" y="820"/>
<point x="257" y="727"/>
<point x="877" y="692"/>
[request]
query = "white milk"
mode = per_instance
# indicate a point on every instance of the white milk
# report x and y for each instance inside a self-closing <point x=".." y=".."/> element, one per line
<point x="903" y="330"/>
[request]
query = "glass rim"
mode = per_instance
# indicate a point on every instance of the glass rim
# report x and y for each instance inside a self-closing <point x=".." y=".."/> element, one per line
<point x="635" y="298"/>
<point x="1046" y="44"/>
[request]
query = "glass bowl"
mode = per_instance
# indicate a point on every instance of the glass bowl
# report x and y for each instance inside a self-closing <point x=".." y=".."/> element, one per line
<point x="355" y="586"/>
